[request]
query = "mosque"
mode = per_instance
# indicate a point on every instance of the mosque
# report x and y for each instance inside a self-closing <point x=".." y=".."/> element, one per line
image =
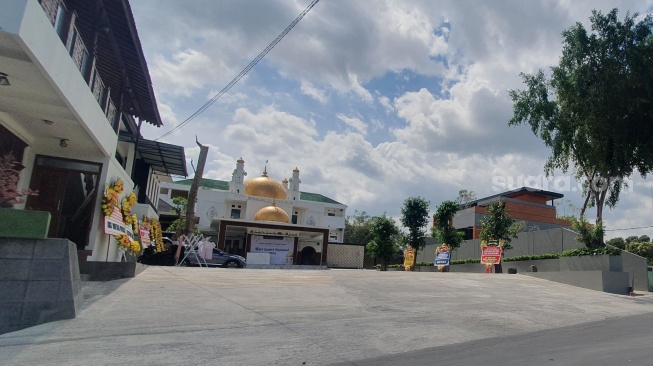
<point x="263" y="215"/>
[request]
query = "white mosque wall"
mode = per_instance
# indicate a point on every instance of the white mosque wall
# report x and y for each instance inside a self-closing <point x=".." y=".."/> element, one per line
<point x="217" y="204"/>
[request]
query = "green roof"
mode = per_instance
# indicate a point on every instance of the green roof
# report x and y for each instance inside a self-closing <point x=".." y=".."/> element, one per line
<point x="224" y="186"/>
<point x="207" y="183"/>
<point x="316" y="197"/>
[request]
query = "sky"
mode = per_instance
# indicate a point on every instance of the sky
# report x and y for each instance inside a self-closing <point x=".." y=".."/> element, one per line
<point x="373" y="101"/>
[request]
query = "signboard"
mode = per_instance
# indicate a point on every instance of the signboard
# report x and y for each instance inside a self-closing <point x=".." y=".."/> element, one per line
<point x="442" y="259"/>
<point x="145" y="236"/>
<point x="491" y="254"/>
<point x="409" y="257"/>
<point x="281" y="248"/>
<point x="113" y="224"/>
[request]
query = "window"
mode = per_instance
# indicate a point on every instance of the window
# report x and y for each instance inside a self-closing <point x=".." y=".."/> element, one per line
<point x="235" y="213"/>
<point x="331" y="214"/>
<point x="294" y="219"/>
<point x="61" y="22"/>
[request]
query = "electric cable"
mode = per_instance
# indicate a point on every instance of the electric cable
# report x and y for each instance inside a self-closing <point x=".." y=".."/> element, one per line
<point x="244" y="71"/>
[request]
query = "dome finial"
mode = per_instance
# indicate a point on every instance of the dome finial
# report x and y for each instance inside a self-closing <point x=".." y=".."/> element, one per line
<point x="265" y="169"/>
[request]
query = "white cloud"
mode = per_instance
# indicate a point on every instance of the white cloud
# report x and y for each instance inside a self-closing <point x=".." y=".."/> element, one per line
<point x="309" y="89"/>
<point x="355" y="123"/>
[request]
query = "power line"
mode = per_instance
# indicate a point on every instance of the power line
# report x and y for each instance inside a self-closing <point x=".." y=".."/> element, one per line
<point x="245" y="70"/>
<point x="631" y="228"/>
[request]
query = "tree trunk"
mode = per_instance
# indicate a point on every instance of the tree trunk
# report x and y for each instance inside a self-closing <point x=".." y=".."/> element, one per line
<point x="587" y="199"/>
<point x="192" y="194"/>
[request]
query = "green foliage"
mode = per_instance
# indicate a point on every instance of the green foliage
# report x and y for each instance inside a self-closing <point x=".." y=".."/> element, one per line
<point x="358" y="228"/>
<point x="395" y="265"/>
<point x="594" y="112"/>
<point x="425" y="264"/>
<point x="644" y="239"/>
<point x="642" y="249"/>
<point x="590" y="251"/>
<point x="465" y="196"/>
<point x="498" y="224"/>
<point x="443" y="231"/>
<point x="588" y="234"/>
<point x="632" y="238"/>
<point x="466" y="261"/>
<point x="180" y="205"/>
<point x="617" y="242"/>
<point x="385" y="235"/>
<point x="415" y="216"/>
<point x="532" y="257"/>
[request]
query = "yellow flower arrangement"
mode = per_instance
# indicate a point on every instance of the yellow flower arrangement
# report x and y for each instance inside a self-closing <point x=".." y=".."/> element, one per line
<point x="110" y="199"/>
<point x="127" y="204"/>
<point x="155" y="234"/>
<point x="128" y="245"/>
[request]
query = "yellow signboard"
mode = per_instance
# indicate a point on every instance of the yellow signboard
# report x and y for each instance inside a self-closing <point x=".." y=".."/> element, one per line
<point x="409" y="258"/>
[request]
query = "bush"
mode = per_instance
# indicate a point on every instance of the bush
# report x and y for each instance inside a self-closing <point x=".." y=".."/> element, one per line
<point x="466" y="261"/>
<point x="590" y="251"/>
<point x="395" y="265"/>
<point x="532" y="257"/>
<point x="429" y="264"/>
<point x="642" y="249"/>
<point x="377" y="266"/>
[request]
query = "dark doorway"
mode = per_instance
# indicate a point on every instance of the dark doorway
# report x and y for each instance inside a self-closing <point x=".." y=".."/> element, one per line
<point x="308" y="256"/>
<point x="67" y="189"/>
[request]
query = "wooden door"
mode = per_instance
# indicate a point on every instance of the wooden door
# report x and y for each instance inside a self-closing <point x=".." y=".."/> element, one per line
<point x="51" y="185"/>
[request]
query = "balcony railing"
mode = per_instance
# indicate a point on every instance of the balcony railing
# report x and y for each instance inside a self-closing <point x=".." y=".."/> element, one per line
<point x="64" y="24"/>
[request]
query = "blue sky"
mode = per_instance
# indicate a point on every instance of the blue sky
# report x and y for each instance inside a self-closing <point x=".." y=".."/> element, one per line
<point x="373" y="101"/>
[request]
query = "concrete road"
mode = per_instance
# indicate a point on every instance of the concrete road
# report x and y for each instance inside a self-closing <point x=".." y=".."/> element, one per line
<point x="199" y="316"/>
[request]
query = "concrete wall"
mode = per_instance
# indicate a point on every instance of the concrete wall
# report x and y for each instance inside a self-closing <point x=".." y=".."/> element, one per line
<point x="526" y="243"/>
<point x="612" y="282"/>
<point x="39" y="282"/>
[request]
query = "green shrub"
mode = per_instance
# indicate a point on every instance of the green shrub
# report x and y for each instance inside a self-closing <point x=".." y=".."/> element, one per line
<point x="424" y="264"/>
<point x="466" y="261"/>
<point x="643" y="250"/>
<point x="532" y="257"/>
<point x="395" y="265"/>
<point x="377" y="266"/>
<point x="590" y="251"/>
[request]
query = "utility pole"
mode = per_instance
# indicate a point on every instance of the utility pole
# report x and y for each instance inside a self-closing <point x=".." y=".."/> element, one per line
<point x="192" y="194"/>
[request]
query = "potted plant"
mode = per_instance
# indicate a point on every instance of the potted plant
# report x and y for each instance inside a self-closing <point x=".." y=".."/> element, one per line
<point x="18" y="223"/>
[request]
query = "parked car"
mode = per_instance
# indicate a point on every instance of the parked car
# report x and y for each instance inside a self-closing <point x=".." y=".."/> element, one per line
<point x="219" y="259"/>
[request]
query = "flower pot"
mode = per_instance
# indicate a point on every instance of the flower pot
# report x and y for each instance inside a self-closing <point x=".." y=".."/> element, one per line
<point x="24" y="223"/>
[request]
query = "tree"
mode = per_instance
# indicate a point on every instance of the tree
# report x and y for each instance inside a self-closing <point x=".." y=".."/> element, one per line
<point x="617" y="242"/>
<point x="178" y="226"/>
<point x="358" y="228"/>
<point x="465" y="196"/>
<point x="595" y="111"/>
<point x="644" y="239"/>
<point x="632" y="239"/>
<point x="444" y="232"/>
<point x="384" y="237"/>
<point x="414" y="217"/>
<point x="500" y="226"/>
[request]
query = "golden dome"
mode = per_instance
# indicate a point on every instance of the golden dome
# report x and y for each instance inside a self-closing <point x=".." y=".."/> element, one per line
<point x="264" y="186"/>
<point x="272" y="213"/>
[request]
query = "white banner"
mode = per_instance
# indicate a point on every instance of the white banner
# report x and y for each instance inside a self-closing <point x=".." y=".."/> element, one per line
<point x="280" y="248"/>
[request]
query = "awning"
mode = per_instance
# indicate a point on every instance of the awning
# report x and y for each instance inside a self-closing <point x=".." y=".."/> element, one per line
<point x="162" y="157"/>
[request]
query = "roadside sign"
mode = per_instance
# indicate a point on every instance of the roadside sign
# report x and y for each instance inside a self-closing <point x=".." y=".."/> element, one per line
<point x="442" y="259"/>
<point x="409" y="256"/>
<point x="442" y="256"/>
<point x="491" y="255"/>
